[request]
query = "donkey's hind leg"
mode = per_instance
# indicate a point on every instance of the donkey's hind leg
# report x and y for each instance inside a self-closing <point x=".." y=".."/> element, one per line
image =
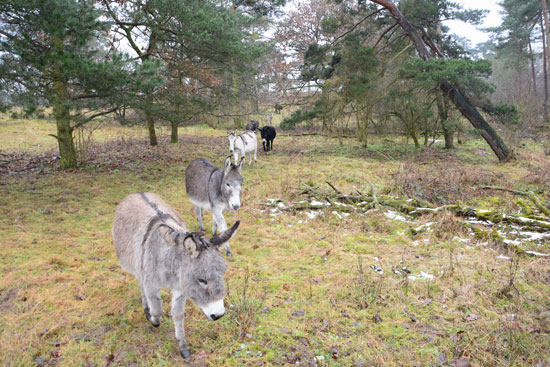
<point x="199" y="216"/>
<point x="152" y="304"/>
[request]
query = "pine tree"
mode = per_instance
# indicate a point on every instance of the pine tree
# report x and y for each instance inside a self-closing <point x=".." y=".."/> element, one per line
<point x="50" y="53"/>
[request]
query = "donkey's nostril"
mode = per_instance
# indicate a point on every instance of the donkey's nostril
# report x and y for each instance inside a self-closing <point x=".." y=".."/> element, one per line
<point x="216" y="317"/>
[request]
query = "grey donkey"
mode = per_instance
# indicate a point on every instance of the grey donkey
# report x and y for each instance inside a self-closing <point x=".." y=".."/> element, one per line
<point x="153" y="244"/>
<point x="218" y="190"/>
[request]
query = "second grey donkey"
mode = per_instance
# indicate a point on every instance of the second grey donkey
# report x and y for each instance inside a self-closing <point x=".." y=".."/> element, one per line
<point x="215" y="189"/>
<point x="153" y="244"/>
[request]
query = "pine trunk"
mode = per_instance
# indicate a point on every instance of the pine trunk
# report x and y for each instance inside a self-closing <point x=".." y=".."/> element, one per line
<point x="67" y="151"/>
<point x="448" y="130"/>
<point x="545" y="69"/>
<point x="151" y="128"/>
<point x="460" y="100"/>
<point x="174" y="135"/>
<point x="533" y="73"/>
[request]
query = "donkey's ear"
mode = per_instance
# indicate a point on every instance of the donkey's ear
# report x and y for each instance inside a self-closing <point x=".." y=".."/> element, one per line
<point x="219" y="239"/>
<point x="241" y="164"/>
<point x="228" y="132"/>
<point x="227" y="165"/>
<point x="236" y="132"/>
<point x="191" y="247"/>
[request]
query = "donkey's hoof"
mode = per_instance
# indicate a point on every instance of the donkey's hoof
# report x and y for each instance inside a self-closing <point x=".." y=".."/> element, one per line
<point x="184" y="351"/>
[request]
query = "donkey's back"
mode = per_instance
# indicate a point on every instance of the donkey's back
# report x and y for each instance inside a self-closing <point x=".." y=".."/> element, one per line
<point x="134" y="218"/>
<point x="198" y="178"/>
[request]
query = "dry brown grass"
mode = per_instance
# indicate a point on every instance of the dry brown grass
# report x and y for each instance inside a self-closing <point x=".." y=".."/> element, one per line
<point x="311" y="293"/>
<point x="445" y="182"/>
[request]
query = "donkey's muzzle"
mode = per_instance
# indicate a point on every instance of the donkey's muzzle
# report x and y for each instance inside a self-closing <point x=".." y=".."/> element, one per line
<point x="215" y="317"/>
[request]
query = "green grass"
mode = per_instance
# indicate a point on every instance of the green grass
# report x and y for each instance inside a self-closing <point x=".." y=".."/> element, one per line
<point x="310" y="289"/>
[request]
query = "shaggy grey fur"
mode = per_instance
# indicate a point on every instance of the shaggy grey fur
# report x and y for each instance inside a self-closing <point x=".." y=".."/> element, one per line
<point x="211" y="188"/>
<point x="153" y="244"/>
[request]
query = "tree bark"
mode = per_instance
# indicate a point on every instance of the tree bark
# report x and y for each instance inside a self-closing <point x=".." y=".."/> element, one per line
<point x="459" y="99"/>
<point x="67" y="151"/>
<point x="544" y="68"/>
<point x="533" y="73"/>
<point x="174" y="135"/>
<point x="151" y="128"/>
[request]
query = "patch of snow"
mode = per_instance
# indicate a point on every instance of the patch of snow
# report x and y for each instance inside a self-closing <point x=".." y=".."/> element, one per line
<point x="340" y="204"/>
<point x="313" y="214"/>
<point x="534" y="236"/>
<point x="393" y="215"/>
<point x="377" y="269"/>
<point x="319" y="203"/>
<point x="534" y="253"/>
<point x="424" y="226"/>
<point x="483" y="222"/>
<point x="281" y="205"/>
<point x="502" y="257"/>
<point x="512" y="242"/>
<point x="274" y="212"/>
<point x="422" y="275"/>
<point x="340" y="215"/>
<point x="426" y="276"/>
<point x="376" y="258"/>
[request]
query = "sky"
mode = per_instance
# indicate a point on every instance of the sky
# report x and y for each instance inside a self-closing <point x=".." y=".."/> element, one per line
<point x="470" y="32"/>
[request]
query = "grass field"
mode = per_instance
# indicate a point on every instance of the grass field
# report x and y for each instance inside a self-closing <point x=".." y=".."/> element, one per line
<point x="303" y="290"/>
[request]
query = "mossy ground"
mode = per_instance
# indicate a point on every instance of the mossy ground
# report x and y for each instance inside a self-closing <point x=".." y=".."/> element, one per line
<point x="300" y="290"/>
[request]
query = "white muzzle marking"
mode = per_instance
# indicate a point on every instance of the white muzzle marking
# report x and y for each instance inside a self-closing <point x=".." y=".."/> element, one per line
<point x="214" y="310"/>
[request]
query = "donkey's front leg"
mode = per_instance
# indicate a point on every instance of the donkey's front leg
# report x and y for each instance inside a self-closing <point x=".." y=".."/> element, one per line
<point x="222" y="226"/>
<point x="153" y="311"/>
<point x="178" y="311"/>
<point x="255" y="150"/>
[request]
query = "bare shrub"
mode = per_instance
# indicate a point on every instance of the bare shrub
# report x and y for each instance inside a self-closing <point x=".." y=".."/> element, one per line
<point x="83" y="138"/>
<point x="445" y="182"/>
<point x="245" y="305"/>
<point x="447" y="225"/>
<point x="540" y="175"/>
<point x="367" y="290"/>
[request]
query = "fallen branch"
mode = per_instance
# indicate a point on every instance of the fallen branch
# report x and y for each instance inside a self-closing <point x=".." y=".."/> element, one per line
<point x="530" y="194"/>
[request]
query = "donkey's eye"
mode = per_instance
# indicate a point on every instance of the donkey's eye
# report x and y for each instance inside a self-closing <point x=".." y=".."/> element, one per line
<point x="202" y="281"/>
<point x="228" y="185"/>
